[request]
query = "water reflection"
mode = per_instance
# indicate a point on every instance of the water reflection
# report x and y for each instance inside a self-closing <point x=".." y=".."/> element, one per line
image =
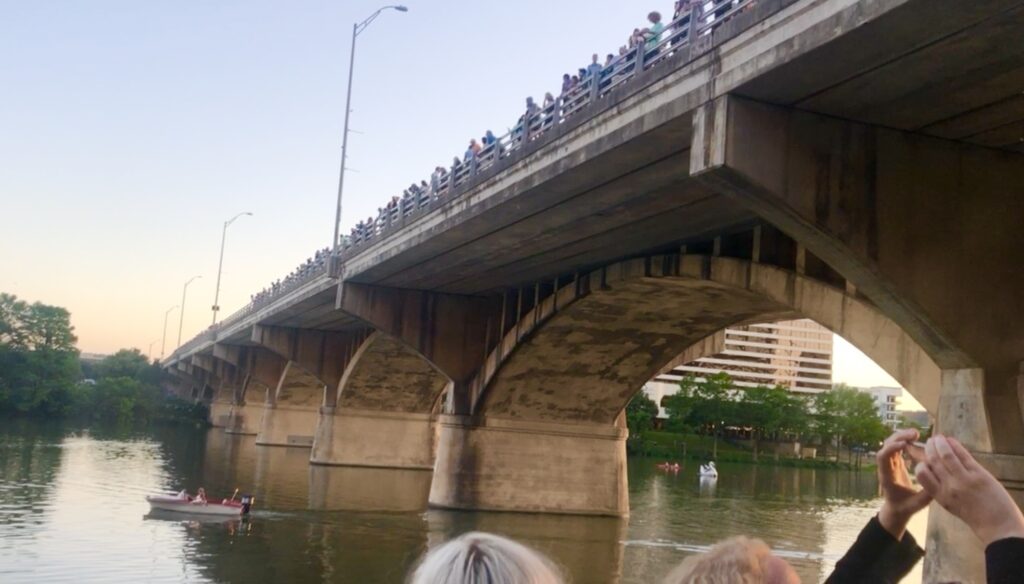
<point x="588" y="548"/>
<point x="349" y="488"/>
<point x="72" y="509"/>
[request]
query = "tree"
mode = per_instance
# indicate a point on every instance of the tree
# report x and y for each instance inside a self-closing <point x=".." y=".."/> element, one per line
<point x="770" y="411"/>
<point x="640" y="414"/>
<point x="845" y="416"/>
<point x="38" y="360"/>
<point x="711" y="403"/>
<point x="34" y="326"/>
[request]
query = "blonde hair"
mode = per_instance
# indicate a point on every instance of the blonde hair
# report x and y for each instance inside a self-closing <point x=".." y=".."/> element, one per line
<point x="484" y="558"/>
<point x="737" y="560"/>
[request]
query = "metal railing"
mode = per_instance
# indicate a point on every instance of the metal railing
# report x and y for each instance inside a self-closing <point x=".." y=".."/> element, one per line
<point x="680" y="34"/>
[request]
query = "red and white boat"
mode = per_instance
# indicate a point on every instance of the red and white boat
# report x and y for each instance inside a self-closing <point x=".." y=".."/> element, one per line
<point x="183" y="503"/>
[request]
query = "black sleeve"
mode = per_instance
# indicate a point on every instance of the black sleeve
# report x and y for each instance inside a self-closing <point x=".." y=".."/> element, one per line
<point x="876" y="556"/>
<point x="1004" y="561"/>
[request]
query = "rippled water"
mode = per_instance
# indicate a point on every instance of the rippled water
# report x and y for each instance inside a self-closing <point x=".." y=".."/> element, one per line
<point x="72" y="509"/>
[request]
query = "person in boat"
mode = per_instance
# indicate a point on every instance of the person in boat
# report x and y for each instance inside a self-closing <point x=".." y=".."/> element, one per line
<point x="200" y="496"/>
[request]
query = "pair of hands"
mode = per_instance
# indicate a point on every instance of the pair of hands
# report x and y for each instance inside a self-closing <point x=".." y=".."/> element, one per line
<point x="950" y="476"/>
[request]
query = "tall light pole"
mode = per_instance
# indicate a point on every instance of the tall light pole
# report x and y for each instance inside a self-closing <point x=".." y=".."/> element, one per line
<point x="220" y="263"/>
<point x="356" y="29"/>
<point x="149" y="353"/>
<point x="163" y="341"/>
<point x="181" y="320"/>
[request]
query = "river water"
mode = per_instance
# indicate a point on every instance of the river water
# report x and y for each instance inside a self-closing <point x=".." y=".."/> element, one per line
<point x="72" y="510"/>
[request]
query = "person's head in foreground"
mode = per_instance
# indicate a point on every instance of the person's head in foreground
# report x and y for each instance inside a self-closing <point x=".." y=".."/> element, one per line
<point x="483" y="558"/>
<point x="737" y="560"/>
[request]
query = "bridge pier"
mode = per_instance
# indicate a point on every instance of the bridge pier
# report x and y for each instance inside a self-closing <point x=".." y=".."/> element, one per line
<point x="375" y="439"/>
<point x="509" y="465"/>
<point x="290" y="412"/>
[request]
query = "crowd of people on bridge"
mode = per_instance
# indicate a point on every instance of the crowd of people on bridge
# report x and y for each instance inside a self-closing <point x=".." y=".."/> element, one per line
<point x="884" y="552"/>
<point x="538" y="118"/>
<point x="313" y="265"/>
<point x="534" y="121"/>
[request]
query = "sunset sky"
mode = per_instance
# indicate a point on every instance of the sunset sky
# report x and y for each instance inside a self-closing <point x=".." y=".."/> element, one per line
<point x="133" y="130"/>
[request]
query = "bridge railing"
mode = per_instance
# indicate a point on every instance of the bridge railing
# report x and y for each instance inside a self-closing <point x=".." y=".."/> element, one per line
<point x="680" y="34"/>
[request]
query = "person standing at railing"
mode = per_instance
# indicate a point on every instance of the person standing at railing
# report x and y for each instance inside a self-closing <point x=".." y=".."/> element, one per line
<point x="652" y="34"/>
<point x="566" y="83"/>
<point x="594" y="69"/>
<point x="608" y="61"/>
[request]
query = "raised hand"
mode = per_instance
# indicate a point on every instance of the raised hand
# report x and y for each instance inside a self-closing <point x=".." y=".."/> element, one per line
<point x="902" y="500"/>
<point x="964" y="488"/>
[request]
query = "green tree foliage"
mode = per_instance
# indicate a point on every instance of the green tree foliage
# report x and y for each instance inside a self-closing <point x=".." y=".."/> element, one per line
<point x="711" y="403"/>
<point x="40" y="373"/>
<point x="35" y="326"/>
<point x="38" y="359"/>
<point x="845" y="416"/>
<point x="640" y="414"/>
<point x="770" y="412"/>
<point x="841" y="416"/>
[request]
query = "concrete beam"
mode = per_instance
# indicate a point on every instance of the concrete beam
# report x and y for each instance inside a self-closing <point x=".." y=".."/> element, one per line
<point x="899" y="215"/>
<point x="448" y="330"/>
<point x="324" y="354"/>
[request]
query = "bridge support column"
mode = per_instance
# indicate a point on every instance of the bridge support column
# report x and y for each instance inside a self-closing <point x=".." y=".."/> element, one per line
<point x="511" y="465"/>
<point x="954" y="554"/>
<point x="283" y="425"/>
<point x="374" y="438"/>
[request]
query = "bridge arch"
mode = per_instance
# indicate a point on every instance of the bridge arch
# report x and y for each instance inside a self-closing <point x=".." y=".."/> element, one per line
<point x="383" y="411"/>
<point x="548" y="403"/>
<point x="583" y="361"/>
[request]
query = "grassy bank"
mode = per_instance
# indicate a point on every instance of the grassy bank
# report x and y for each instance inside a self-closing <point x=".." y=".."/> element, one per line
<point x="673" y="446"/>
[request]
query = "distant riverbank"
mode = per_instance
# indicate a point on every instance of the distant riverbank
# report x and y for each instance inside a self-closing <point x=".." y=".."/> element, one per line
<point x="675" y="446"/>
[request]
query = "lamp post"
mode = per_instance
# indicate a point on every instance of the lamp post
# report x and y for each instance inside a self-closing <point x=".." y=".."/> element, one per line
<point x="149" y="352"/>
<point x="356" y="29"/>
<point x="220" y="264"/>
<point x="163" y="340"/>
<point x="181" y="320"/>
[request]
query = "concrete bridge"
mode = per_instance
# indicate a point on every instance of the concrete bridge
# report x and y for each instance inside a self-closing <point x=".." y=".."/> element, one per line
<point x="857" y="162"/>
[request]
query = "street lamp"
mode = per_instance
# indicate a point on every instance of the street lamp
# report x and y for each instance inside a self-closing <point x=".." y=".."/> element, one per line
<point x="163" y="340"/>
<point x="149" y="353"/>
<point x="356" y="29"/>
<point x="181" y="320"/>
<point x="220" y="263"/>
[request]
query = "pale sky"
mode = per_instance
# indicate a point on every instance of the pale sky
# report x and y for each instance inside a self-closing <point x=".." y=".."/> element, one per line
<point x="130" y="131"/>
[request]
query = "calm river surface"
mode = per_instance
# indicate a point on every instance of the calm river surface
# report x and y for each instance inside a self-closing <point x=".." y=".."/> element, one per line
<point x="72" y="510"/>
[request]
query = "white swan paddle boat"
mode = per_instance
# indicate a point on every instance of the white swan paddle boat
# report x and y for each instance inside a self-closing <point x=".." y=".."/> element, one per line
<point x="708" y="471"/>
<point x="183" y="503"/>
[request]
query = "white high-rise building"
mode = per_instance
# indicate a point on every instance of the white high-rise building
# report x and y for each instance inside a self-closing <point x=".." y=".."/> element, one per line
<point x="887" y="399"/>
<point x="795" y="354"/>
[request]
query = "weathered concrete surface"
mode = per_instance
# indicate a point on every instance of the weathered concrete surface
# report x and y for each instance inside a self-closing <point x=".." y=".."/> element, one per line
<point x="245" y="418"/>
<point x="375" y="438"/>
<point x="220" y="413"/>
<point x="921" y="226"/>
<point x="585" y="361"/>
<point x="291" y="412"/>
<point x="954" y="553"/>
<point x="386" y="375"/>
<point x="349" y="488"/>
<point x="506" y="465"/>
<point x="322" y="354"/>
